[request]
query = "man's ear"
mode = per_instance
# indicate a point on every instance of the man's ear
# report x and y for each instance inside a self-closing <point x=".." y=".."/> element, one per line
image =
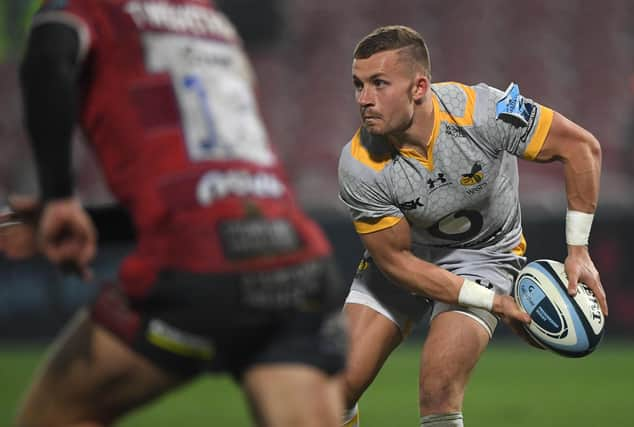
<point x="420" y="89"/>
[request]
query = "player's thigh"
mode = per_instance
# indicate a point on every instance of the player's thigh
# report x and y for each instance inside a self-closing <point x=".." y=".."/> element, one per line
<point x="452" y="348"/>
<point x="459" y="334"/>
<point x="379" y="314"/>
<point x="90" y="375"/>
<point x="293" y="395"/>
<point x="372" y="338"/>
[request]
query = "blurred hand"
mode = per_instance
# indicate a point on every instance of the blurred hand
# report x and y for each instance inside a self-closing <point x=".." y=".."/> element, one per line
<point x="580" y="268"/>
<point x="67" y="236"/>
<point x="18" y="228"/>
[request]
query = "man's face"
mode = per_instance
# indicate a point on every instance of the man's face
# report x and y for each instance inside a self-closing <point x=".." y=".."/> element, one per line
<point x="385" y="89"/>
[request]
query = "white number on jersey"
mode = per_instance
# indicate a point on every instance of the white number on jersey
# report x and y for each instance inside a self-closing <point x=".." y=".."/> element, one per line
<point x="213" y="87"/>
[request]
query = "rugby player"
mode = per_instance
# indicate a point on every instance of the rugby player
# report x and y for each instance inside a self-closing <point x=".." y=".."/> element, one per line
<point x="228" y="274"/>
<point x="431" y="182"/>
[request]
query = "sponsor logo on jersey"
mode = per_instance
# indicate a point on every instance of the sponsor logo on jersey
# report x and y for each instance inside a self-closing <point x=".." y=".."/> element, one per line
<point x="531" y="125"/>
<point x="512" y="107"/>
<point x="474" y="177"/>
<point x="180" y="18"/>
<point x="217" y="185"/>
<point x="436" y="183"/>
<point x="473" y="190"/>
<point x="252" y="237"/>
<point x="410" y="205"/>
<point x="455" y="131"/>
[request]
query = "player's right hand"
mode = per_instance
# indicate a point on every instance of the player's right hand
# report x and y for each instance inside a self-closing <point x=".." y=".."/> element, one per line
<point x="507" y="309"/>
<point x="18" y="225"/>
<point x="67" y="236"/>
<point x="511" y="314"/>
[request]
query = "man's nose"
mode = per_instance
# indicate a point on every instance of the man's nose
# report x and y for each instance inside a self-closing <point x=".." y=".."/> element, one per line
<point x="364" y="97"/>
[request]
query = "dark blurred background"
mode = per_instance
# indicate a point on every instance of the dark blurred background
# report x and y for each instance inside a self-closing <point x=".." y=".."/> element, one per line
<point x="576" y="56"/>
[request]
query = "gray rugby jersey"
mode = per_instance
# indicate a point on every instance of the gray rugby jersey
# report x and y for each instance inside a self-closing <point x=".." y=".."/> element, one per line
<point x="465" y="193"/>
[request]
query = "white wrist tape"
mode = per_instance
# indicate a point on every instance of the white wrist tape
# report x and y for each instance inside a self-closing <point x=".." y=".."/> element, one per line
<point x="578" y="226"/>
<point x="474" y="295"/>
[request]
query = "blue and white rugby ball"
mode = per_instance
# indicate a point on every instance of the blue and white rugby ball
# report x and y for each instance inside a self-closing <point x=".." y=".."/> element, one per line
<point x="572" y="327"/>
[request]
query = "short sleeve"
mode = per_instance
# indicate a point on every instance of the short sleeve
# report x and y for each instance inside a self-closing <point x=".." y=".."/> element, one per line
<point x="366" y="195"/>
<point x="511" y="122"/>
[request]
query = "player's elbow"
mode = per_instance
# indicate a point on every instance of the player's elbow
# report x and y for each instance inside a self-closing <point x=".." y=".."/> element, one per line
<point x="584" y="154"/>
<point x="386" y="261"/>
<point x="590" y="153"/>
<point x="593" y="148"/>
<point x="395" y="266"/>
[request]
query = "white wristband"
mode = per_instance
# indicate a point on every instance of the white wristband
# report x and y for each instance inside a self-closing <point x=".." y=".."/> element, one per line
<point x="474" y="295"/>
<point x="578" y="226"/>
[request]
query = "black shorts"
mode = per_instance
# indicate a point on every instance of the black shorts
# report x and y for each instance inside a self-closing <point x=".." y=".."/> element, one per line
<point x="190" y="323"/>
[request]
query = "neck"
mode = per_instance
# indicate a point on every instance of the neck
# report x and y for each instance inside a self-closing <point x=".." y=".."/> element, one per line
<point x="420" y="128"/>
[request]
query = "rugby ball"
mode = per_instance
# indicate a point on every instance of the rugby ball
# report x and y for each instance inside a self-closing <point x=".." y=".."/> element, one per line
<point x="570" y="326"/>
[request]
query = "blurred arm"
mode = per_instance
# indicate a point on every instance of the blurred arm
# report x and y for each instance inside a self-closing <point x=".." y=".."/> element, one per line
<point x="113" y="222"/>
<point x="50" y="91"/>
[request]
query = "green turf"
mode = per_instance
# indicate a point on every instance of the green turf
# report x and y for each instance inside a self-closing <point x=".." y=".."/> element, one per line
<point x="512" y="386"/>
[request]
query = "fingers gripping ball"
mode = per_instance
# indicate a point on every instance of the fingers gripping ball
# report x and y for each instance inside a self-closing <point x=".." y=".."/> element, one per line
<point x="570" y="326"/>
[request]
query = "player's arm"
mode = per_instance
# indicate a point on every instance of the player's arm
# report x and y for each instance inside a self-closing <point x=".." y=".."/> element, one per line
<point x="18" y="226"/>
<point x="390" y="249"/>
<point x="50" y="89"/>
<point x="49" y="74"/>
<point x="580" y="153"/>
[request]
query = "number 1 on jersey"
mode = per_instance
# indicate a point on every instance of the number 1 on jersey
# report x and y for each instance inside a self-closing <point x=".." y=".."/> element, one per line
<point x="193" y="83"/>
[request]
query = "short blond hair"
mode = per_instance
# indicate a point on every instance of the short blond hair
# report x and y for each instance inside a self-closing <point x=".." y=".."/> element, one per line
<point x="394" y="37"/>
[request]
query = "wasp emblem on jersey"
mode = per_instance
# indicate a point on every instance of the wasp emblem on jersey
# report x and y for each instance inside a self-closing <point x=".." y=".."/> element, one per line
<point x="474" y="177"/>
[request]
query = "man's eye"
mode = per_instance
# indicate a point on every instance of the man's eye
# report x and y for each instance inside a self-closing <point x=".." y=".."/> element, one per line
<point x="380" y="83"/>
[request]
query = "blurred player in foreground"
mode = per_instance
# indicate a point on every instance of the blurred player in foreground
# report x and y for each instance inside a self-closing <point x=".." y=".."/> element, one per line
<point x="228" y="275"/>
<point x="431" y="181"/>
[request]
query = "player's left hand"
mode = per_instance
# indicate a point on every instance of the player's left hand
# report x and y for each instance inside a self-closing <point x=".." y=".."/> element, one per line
<point x="580" y="268"/>
<point x="67" y="236"/>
